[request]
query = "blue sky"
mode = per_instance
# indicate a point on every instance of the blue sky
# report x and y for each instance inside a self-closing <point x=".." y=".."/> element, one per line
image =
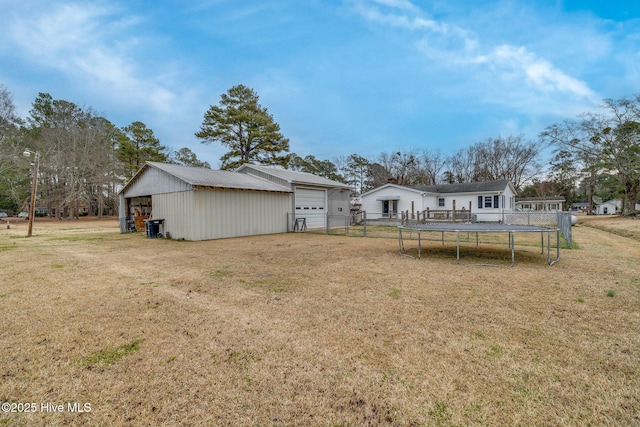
<point x="339" y="76"/>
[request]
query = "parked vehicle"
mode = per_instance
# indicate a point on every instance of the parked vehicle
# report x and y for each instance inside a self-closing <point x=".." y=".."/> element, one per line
<point x="3" y="215"/>
<point x="23" y="215"/>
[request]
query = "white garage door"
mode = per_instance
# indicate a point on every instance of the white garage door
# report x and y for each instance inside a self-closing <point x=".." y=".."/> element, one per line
<point x="310" y="204"/>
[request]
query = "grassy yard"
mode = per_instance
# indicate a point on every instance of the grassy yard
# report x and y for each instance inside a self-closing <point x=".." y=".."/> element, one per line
<point x="310" y="329"/>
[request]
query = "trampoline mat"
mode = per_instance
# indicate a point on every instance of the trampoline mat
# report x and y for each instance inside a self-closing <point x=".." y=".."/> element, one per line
<point x="480" y="227"/>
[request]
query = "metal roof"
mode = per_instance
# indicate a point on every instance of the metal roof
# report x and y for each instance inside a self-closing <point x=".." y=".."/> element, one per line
<point x="214" y="178"/>
<point x="294" y="177"/>
<point x="466" y="187"/>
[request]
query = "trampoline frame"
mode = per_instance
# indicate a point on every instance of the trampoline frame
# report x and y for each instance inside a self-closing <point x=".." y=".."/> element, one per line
<point x="483" y="228"/>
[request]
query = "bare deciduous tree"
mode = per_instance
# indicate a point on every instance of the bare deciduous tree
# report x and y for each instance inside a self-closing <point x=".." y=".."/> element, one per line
<point x="77" y="156"/>
<point x="509" y="157"/>
<point x="605" y="144"/>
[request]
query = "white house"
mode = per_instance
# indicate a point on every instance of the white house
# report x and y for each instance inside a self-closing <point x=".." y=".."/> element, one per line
<point x="552" y="203"/>
<point x="487" y="200"/>
<point x="612" y="207"/>
<point x="609" y="207"/>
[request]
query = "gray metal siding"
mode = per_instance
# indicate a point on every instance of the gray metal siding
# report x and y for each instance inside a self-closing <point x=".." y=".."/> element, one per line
<point x="219" y="213"/>
<point x="154" y="181"/>
<point x="203" y="177"/>
<point x="264" y="175"/>
<point x="338" y="201"/>
<point x="292" y="177"/>
<point x="177" y="211"/>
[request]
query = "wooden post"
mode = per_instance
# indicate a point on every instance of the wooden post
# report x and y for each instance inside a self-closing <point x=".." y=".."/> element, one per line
<point x="454" y="210"/>
<point x="413" y="216"/>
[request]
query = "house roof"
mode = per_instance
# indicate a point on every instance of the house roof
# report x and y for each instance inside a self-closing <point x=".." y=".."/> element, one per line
<point x="614" y="202"/>
<point x="617" y="203"/>
<point x="391" y="185"/>
<point x="211" y="178"/>
<point x="295" y="177"/>
<point x="541" y="199"/>
<point x="466" y="187"/>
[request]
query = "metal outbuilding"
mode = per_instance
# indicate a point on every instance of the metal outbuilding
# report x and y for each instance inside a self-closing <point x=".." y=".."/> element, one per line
<point x="202" y="204"/>
<point x="315" y="198"/>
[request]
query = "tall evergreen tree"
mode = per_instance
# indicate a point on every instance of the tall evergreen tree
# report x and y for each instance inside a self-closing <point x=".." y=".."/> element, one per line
<point x="240" y="123"/>
<point x="186" y="157"/>
<point x="136" y="145"/>
<point x="310" y="164"/>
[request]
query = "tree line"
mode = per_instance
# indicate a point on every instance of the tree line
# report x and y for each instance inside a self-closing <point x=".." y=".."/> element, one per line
<point x="596" y="154"/>
<point x="251" y="134"/>
<point x="600" y="150"/>
<point x="85" y="159"/>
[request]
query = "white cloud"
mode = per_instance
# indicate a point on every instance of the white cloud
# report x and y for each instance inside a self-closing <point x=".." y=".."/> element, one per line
<point x="398" y="4"/>
<point x="457" y="49"/>
<point x="56" y="34"/>
<point x="399" y="20"/>
<point x="89" y="44"/>
<point x="539" y="73"/>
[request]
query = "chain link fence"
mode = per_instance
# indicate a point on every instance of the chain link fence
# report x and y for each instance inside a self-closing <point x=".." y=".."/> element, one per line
<point x="358" y="224"/>
<point x="559" y="219"/>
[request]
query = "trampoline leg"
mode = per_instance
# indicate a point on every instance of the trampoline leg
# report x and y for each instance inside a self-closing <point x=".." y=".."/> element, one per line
<point x="549" y="261"/>
<point x="419" y="246"/>
<point x="542" y="242"/>
<point x="458" y="248"/>
<point x="513" y="249"/>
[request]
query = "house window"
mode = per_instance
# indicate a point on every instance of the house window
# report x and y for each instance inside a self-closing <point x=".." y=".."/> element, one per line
<point x="441" y="202"/>
<point x="489" y="201"/>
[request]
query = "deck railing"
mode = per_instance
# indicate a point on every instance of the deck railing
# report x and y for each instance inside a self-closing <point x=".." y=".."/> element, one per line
<point x="439" y="215"/>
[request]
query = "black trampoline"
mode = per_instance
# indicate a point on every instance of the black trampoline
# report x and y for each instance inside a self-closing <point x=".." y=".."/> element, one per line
<point x="477" y="228"/>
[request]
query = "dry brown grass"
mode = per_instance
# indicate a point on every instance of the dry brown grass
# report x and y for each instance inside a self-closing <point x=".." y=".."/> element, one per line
<point x="306" y="329"/>
<point x="626" y="227"/>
